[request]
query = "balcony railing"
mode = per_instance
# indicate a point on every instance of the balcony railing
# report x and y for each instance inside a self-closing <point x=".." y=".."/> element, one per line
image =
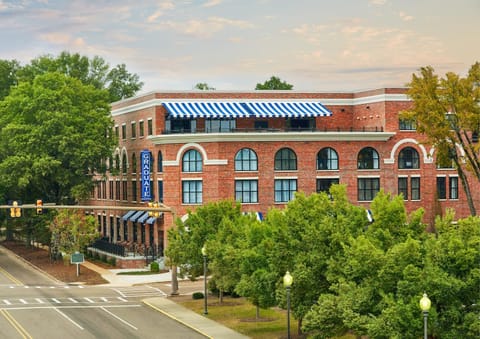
<point x="276" y="130"/>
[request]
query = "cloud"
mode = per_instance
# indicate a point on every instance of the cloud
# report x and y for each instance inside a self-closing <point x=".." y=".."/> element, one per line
<point x="405" y="17"/>
<point x="212" y="3"/>
<point x="377" y="2"/>
<point x="203" y="28"/>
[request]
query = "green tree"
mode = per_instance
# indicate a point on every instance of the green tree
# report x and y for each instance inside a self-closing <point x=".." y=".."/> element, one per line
<point x="8" y="76"/>
<point x="274" y="83"/>
<point x="203" y="86"/>
<point x="72" y="230"/>
<point x="54" y="135"/>
<point x="446" y="110"/>
<point x="96" y="72"/>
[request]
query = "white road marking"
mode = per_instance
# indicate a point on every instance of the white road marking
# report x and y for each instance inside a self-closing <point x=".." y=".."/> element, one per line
<point x="120" y="319"/>
<point x="68" y="318"/>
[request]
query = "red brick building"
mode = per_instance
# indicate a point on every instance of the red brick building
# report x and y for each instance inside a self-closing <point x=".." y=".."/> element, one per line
<point x="259" y="148"/>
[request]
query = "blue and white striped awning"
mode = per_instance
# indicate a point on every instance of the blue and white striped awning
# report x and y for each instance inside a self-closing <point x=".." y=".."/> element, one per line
<point x="290" y="109"/>
<point x="142" y="218"/>
<point x="256" y="109"/>
<point x="127" y="215"/>
<point x="206" y="109"/>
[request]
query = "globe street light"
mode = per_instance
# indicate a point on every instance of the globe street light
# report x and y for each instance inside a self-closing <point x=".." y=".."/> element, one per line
<point x="425" y="304"/>
<point x="204" y="253"/>
<point x="287" y="282"/>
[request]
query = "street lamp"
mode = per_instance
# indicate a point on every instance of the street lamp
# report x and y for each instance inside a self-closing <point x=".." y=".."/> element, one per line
<point x="425" y="304"/>
<point x="204" y="253"/>
<point x="287" y="282"/>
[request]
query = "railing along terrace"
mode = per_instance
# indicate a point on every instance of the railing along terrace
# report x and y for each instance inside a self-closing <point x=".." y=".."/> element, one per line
<point x="276" y="130"/>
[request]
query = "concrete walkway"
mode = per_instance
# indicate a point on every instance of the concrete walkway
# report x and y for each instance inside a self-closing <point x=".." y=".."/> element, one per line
<point x="177" y="312"/>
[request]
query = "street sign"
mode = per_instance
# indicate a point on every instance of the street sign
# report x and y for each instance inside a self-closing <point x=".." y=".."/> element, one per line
<point x="77" y="258"/>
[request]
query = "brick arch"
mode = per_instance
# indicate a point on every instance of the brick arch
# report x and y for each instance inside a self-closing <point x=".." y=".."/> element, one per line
<point x="427" y="159"/>
<point x="193" y="145"/>
<point x="460" y="148"/>
<point x="122" y="153"/>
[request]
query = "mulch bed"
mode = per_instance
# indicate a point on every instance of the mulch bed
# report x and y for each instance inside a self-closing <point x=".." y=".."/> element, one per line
<point x="40" y="258"/>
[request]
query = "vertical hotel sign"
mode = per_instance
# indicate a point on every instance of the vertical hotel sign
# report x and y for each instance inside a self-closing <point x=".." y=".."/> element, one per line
<point x="145" y="163"/>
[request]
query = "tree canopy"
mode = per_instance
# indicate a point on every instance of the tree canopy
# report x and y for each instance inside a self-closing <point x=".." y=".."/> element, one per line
<point x="447" y="111"/>
<point x="203" y="86"/>
<point x="55" y="133"/>
<point x="119" y="83"/>
<point x="349" y="274"/>
<point x="274" y="83"/>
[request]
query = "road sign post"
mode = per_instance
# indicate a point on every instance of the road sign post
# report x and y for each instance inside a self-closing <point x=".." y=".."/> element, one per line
<point x="77" y="258"/>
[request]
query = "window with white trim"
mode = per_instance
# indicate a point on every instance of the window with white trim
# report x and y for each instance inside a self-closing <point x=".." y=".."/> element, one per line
<point x="192" y="191"/>
<point x="368" y="188"/>
<point x="285" y="189"/>
<point x="246" y="191"/>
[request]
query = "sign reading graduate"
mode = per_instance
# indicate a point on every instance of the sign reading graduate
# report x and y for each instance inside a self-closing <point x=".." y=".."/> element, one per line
<point x="145" y="165"/>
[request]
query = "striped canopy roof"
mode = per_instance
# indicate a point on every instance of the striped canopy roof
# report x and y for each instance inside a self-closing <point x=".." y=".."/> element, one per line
<point x="257" y="109"/>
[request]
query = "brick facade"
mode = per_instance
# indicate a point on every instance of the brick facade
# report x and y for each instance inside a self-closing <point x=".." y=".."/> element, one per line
<point x="360" y="119"/>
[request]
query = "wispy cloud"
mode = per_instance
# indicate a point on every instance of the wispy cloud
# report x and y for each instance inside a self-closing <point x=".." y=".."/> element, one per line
<point x="405" y="17"/>
<point x="212" y="3"/>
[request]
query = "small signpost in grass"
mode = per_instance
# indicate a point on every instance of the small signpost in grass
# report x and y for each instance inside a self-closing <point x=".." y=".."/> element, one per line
<point x="77" y="258"/>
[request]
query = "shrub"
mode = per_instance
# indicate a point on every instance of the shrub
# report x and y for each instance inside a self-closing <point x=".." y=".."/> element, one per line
<point x="112" y="261"/>
<point x="197" y="295"/>
<point x="154" y="267"/>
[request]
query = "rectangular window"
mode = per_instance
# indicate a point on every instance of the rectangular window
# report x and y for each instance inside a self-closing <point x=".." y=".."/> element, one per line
<point x="407" y="125"/>
<point x="415" y="188"/>
<point x="150" y="127"/>
<point x="104" y="189"/>
<point x="192" y="192"/>
<point x="220" y="125"/>
<point x="403" y="187"/>
<point x="324" y="184"/>
<point x="442" y="188"/>
<point x="124" y="131"/>
<point x="246" y="191"/>
<point x="117" y="132"/>
<point x="117" y="190"/>
<point x="134" y="190"/>
<point x="261" y="124"/>
<point x="284" y="189"/>
<point x="110" y="190"/>
<point x="160" y="190"/>
<point x="134" y="129"/>
<point x="368" y="188"/>
<point x="453" y="187"/>
<point x="141" y="128"/>
<point x="124" y="190"/>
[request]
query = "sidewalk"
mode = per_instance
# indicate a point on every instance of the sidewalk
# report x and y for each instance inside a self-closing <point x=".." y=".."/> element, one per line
<point x="164" y="305"/>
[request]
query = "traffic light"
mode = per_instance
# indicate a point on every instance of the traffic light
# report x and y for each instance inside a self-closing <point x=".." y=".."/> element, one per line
<point x="39" y="205"/>
<point x="15" y="211"/>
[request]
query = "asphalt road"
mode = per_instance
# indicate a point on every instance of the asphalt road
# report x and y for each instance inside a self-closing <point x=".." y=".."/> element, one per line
<point x="33" y="306"/>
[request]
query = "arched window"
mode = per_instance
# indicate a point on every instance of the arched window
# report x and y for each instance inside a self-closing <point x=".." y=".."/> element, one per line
<point x="368" y="159"/>
<point x="285" y="160"/>
<point x="408" y="158"/>
<point x="327" y="159"/>
<point x="117" y="162"/>
<point x="159" y="162"/>
<point x="192" y="161"/>
<point x="246" y="160"/>
<point x="134" y="163"/>
<point x="124" y="163"/>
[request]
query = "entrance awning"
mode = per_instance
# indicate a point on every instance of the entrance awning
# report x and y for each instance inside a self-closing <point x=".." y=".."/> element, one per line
<point x="205" y="109"/>
<point x="143" y="217"/>
<point x="127" y="215"/>
<point x="287" y="109"/>
<point x="137" y="215"/>
<point x="151" y="220"/>
<point x="255" y="109"/>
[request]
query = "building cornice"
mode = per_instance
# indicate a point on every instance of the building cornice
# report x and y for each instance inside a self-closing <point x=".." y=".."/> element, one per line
<point x="325" y="101"/>
<point x="165" y="139"/>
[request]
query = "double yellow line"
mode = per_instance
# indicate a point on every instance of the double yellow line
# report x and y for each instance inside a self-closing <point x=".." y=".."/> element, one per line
<point x="11" y="277"/>
<point x="23" y="332"/>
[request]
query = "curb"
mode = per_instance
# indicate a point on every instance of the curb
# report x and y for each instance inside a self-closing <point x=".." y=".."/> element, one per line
<point x="14" y="255"/>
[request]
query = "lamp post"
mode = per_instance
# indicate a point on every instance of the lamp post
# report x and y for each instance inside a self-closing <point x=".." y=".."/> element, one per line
<point x="425" y="304"/>
<point x="204" y="253"/>
<point x="287" y="282"/>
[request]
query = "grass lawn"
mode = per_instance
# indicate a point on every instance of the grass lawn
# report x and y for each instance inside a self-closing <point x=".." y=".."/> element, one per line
<point x="239" y="315"/>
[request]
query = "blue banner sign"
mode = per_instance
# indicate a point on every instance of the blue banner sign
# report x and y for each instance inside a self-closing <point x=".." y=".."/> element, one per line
<point x="145" y="170"/>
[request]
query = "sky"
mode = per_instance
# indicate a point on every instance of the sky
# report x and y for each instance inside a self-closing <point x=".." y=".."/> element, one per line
<point x="315" y="45"/>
